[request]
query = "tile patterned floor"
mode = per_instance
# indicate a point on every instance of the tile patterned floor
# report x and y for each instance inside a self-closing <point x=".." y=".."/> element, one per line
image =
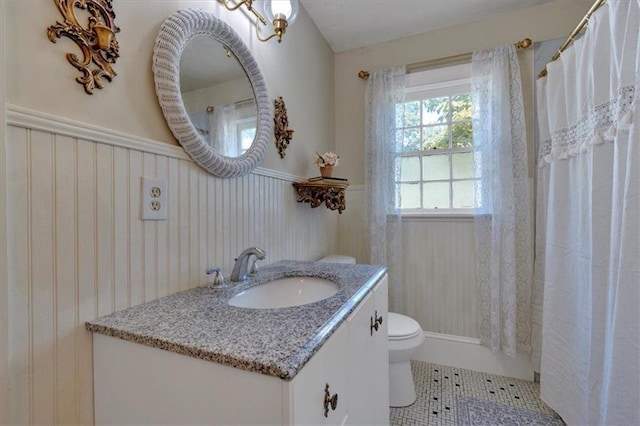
<point x="455" y="396"/>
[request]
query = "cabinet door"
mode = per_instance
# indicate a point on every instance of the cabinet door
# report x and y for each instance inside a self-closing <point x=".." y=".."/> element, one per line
<point x="380" y="357"/>
<point x="328" y="366"/>
<point x="369" y="360"/>
<point x="361" y="383"/>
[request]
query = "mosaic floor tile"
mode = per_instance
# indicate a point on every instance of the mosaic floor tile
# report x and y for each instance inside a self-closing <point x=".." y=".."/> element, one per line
<point x="455" y="396"/>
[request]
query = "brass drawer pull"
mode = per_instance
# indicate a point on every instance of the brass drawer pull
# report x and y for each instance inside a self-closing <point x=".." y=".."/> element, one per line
<point x="378" y="319"/>
<point x="329" y="400"/>
<point x="375" y="323"/>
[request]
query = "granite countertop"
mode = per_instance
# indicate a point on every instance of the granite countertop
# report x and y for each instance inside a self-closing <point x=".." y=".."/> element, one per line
<point x="275" y="342"/>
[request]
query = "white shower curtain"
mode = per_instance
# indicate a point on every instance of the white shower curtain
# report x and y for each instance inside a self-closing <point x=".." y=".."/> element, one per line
<point x="502" y="217"/>
<point x="588" y="207"/>
<point x="385" y="89"/>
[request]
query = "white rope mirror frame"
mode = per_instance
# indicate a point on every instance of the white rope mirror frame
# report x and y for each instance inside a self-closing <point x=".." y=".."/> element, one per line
<point x="174" y="34"/>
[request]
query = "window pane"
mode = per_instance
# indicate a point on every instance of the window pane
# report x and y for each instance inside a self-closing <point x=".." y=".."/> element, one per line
<point x="411" y="140"/>
<point x="435" y="137"/>
<point x="410" y="194"/>
<point x="435" y="110"/>
<point x="409" y="115"/>
<point x="461" y="107"/>
<point x="246" y="138"/>
<point x="463" y="165"/>
<point x="461" y="135"/>
<point x="436" y="195"/>
<point x="435" y="167"/>
<point x="410" y="169"/>
<point x="463" y="194"/>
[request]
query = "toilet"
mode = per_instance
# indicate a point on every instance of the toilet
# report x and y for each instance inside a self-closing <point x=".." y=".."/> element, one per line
<point x="405" y="337"/>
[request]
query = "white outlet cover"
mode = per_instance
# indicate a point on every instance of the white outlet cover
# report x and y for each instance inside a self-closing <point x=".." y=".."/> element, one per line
<point x="154" y="191"/>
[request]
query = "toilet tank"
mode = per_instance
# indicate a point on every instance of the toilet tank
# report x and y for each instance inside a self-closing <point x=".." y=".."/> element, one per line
<point x="338" y="258"/>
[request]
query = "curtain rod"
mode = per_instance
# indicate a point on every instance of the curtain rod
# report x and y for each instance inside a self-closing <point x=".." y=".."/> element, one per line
<point x="583" y="23"/>
<point x="449" y="60"/>
<point x="236" y="103"/>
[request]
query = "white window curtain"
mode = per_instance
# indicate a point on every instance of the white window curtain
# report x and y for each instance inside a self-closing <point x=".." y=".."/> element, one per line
<point x="502" y="218"/>
<point x="201" y="122"/>
<point x="385" y="89"/>
<point x="224" y="137"/>
<point x="588" y="206"/>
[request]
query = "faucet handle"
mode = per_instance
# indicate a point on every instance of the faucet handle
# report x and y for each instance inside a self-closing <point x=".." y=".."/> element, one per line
<point x="218" y="279"/>
<point x="253" y="271"/>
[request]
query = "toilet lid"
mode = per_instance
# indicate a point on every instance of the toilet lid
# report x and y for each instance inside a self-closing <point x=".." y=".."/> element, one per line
<point x="401" y="326"/>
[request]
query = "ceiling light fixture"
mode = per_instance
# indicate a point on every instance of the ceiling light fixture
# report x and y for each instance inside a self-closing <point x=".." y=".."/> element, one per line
<point x="281" y="13"/>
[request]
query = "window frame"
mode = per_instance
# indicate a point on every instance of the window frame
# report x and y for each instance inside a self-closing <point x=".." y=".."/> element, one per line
<point x="446" y="81"/>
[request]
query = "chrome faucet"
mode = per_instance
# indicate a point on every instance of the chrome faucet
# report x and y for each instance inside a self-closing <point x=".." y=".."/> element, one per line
<point x="239" y="272"/>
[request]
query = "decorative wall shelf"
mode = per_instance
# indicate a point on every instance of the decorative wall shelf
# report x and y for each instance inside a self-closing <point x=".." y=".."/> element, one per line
<point x="316" y="193"/>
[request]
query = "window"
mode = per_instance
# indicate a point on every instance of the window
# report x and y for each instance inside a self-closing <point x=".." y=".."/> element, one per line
<point x="245" y="133"/>
<point x="434" y="128"/>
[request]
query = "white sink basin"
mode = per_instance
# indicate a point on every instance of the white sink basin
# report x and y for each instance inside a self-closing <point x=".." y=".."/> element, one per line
<point x="285" y="292"/>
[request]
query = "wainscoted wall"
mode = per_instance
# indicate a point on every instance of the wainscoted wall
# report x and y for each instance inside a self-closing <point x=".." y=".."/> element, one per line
<point x="439" y="265"/>
<point x="77" y="248"/>
<point x="438" y="261"/>
<point x="352" y="225"/>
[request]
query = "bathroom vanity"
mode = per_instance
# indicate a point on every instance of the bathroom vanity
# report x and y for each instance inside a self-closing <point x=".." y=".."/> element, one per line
<point x="193" y="358"/>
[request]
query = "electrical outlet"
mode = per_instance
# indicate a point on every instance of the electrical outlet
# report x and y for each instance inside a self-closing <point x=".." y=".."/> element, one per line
<point x="154" y="199"/>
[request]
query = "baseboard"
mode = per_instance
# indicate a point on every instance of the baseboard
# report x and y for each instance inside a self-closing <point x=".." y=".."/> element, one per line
<point x="468" y="353"/>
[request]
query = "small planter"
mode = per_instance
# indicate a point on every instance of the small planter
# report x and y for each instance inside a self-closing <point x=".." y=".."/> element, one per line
<point x="326" y="171"/>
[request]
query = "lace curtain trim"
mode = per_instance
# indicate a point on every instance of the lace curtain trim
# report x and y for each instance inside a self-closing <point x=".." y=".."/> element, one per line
<point x="600" y="126"/>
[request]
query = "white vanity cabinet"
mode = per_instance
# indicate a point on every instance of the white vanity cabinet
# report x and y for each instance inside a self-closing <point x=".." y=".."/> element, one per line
<point x="139" y="384"/>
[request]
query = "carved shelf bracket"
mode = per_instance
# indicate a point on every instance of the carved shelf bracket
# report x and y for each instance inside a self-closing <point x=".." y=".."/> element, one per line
<point x="281" y="129"/>
<point x="317" y="193"/>
<point x="96" y="39"/>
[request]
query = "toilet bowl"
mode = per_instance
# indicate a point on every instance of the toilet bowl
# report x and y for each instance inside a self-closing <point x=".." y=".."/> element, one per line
<point x="405" y="337"/>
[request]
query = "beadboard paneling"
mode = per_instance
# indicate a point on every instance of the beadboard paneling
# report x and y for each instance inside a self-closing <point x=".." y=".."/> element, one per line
<point x="438" y="261"/>
<point x="352" y="225"/>
<point x="77" y="249"/>
<point x="439" y="265"/>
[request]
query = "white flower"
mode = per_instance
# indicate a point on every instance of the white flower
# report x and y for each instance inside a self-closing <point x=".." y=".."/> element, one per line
<point x="328" y="159"/>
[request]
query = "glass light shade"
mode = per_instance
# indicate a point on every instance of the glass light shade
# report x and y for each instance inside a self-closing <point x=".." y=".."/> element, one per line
<point x="288" y="8"/>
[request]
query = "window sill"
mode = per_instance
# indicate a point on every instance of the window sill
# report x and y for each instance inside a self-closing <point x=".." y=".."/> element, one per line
<point x="434" y="216"/>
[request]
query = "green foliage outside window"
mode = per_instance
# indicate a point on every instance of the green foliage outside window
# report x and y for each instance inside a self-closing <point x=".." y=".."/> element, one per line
<point x="435" y="123"/>
<point x="461" y="132"/>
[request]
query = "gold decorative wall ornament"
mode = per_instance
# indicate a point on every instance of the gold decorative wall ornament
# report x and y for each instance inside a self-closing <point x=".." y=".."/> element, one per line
<point x="281" y="129"/>
<point x="96" y="40"/>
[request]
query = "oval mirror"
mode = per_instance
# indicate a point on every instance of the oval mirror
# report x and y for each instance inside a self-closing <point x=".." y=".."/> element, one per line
<point x="217" y="95"/>
<point x="212" y="93"/>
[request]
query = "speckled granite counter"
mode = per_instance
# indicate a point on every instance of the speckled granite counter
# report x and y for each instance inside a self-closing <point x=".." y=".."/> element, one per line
<point x="276" y="342"/>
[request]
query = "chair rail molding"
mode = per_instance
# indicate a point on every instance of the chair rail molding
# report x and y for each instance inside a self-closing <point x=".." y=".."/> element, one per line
<point x="36" y="120"/>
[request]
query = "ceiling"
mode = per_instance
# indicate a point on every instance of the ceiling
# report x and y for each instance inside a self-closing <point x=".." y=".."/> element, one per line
<point x="349" y="24"/>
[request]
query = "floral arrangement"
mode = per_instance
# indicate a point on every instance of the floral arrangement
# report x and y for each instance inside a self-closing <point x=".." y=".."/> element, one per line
<point x="328" y="159"/>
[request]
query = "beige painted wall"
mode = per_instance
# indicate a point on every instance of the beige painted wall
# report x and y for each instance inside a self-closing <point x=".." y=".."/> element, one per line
<point x="300" y="69"/>
<point x="4" y="285"/>
<point x="539" y="23"/>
